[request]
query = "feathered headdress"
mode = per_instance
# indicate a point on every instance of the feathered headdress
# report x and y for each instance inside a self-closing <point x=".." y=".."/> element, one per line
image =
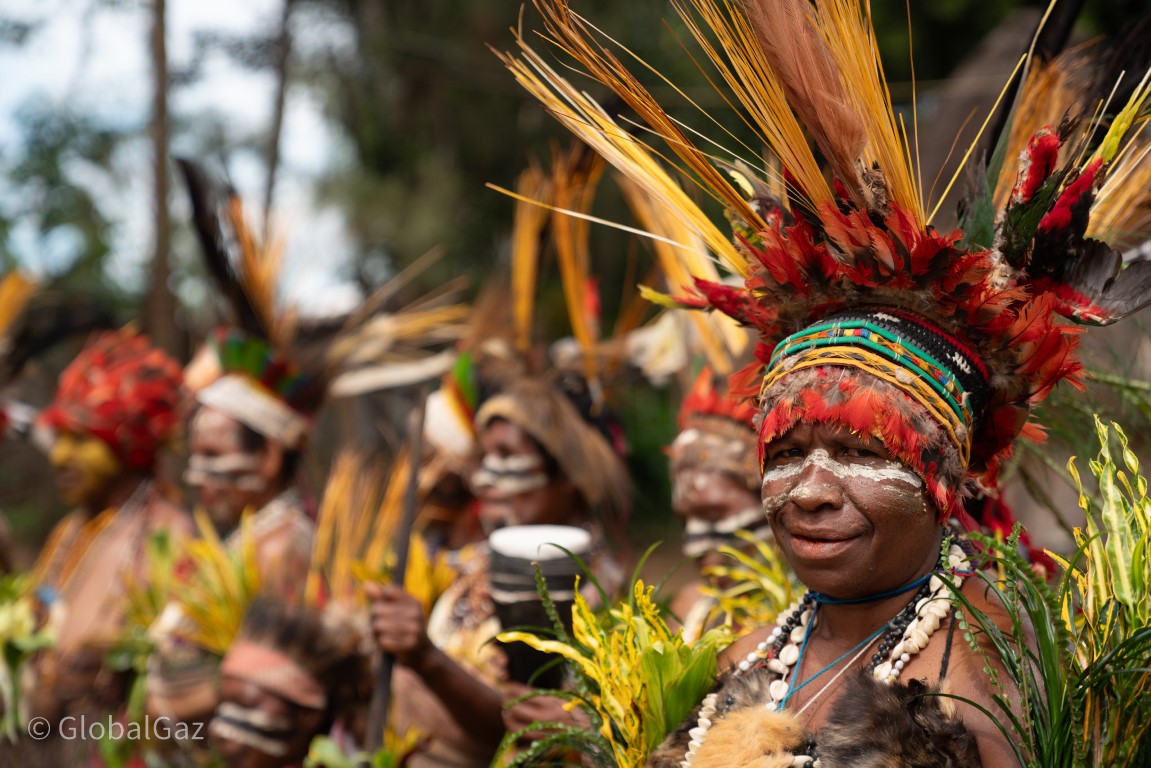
<point x="717" y="431"/>
<point x="958" y="339"/>
<point x="121" y="390"/>
<point x="560" y="403"/>
<point x="258" y="370"/>
<point x="15" y="291"/>
<point x="246" y="378"/>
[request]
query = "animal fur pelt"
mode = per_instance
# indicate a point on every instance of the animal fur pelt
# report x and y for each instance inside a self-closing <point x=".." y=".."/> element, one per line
<point x="896" y="726"/>
<point x="872" y="726"/>
<point x="744" y="732"/>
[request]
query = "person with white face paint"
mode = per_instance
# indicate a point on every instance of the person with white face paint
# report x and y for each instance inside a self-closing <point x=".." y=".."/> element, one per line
<point x="896" y="365"/>
<point x="715" y="490"/>
<point x="858" y="519"/>
<point x="245" y="440"/>
<point x="543" y="462"/>
<point x="290" y="675"/>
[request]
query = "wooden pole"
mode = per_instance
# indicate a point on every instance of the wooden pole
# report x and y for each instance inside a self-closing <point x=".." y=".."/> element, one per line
<point x="381" y="694"/>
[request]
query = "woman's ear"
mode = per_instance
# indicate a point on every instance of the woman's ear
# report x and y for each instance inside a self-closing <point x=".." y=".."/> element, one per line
<point x="271" y="458"/>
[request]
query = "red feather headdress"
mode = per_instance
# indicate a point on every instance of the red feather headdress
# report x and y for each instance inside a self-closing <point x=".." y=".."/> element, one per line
<point x="717" y="431"/>
<point x="868" y="317"/>
<point x="121" y="390"/>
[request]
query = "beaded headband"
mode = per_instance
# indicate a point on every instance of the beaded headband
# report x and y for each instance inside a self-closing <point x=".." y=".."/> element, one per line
<point x="927" y="364"/>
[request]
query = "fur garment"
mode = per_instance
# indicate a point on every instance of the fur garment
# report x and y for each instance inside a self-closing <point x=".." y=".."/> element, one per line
<point x="872" y="725"/>
<point x="751" y="737"/>
<point x="898" y="726"/>
<point x="776" y="734"/>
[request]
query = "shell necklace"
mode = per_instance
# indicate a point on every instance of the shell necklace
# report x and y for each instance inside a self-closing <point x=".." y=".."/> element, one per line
<point x="905" y="635"/>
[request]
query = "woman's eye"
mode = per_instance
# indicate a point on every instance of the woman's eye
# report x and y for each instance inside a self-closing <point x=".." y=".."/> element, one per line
<point x="859" y="453"/>
<point x="784" y="454"/>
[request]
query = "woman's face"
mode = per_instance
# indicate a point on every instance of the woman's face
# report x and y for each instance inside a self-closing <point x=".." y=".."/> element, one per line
<point x="851" y="521"/>
<point x="255" y="728"/>
<point x="228" y="478"/>
<point x="512" y="484"/>
<point x="713" y="505"/>
<point x="85" y="467"/>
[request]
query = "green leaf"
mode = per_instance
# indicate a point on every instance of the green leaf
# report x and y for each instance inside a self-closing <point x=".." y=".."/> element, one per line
<point x="1120" y="542"/>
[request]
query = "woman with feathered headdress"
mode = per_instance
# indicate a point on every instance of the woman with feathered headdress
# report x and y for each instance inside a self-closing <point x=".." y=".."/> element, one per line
<point x="896" y="367"/>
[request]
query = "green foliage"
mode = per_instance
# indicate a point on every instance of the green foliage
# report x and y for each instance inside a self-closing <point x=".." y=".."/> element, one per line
<point x="1115" y="392"/>
<point x="762" y="583"/>
<point x="1077" y="652"/>
<point x="19" y="639"/>
<point x="635" y="679"/>
<point x="326" y="753"/>
<point x="65" y="215"/>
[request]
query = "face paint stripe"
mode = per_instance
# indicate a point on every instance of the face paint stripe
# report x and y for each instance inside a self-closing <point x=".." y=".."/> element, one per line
<point x="241" y="735"/>
<point x="891" y="470"/>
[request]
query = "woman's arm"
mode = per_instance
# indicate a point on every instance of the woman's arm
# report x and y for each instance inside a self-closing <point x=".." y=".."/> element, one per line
<point x="400" y="629"/>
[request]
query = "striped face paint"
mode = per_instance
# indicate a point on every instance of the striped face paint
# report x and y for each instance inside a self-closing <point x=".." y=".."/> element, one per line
<point x="785" y="480"/>
<point x="235" y="470"/>
<point x="704" y="536"/>
<point x="253" y="728"/>
<point x="510" y="475"/>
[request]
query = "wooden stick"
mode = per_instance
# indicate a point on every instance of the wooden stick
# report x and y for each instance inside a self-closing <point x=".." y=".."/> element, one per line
<point x="381" y="695"/>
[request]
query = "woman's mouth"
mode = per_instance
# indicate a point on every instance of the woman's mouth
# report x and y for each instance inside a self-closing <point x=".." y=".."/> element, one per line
<point x="814" y="546"/>
<point x="68" y="479"/>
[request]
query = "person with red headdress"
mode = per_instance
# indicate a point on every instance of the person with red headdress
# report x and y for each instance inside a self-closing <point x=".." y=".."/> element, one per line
<point x="897" y="365"/>
<point x="715" y="488"/>
<point x="115" y="407"/>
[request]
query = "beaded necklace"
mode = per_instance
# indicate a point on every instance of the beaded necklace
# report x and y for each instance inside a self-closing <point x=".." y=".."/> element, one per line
<point x="905" y="635"/>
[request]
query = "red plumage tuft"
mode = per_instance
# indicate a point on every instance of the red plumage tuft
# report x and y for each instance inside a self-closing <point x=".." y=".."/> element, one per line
<point x="1036" y="164"/>
<point x="709" y="398"/>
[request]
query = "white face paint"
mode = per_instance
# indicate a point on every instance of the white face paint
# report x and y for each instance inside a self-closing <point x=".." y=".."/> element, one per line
<point x="235" y="469"/>
<point x="227" y="478"/>
<point x="210" y="424"/>
<point x="703" y="536"/>
<point x="510" y="475"/>
<point x="890" y="476"/>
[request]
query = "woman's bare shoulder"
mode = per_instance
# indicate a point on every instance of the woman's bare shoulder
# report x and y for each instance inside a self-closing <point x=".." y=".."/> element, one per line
<point x="738" y="651"/>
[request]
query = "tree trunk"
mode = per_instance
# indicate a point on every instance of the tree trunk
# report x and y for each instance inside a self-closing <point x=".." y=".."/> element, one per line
<point x="160" y="305"/>
<point x="283" y="54"/>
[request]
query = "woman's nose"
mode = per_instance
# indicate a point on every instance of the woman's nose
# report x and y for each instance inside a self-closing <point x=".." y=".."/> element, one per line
<point x="816" y="488"/>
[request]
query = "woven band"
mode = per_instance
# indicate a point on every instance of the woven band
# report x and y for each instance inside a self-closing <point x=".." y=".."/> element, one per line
<point x="927" y="364"/>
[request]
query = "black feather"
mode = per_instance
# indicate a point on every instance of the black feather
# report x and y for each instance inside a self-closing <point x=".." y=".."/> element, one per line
<point x="214" y="247"/>
<point x="48" y="320"/>
<point x="1107" y="291"/>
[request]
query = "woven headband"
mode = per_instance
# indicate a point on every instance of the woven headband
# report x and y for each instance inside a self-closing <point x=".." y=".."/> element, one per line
<point x="929" y="365"/>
